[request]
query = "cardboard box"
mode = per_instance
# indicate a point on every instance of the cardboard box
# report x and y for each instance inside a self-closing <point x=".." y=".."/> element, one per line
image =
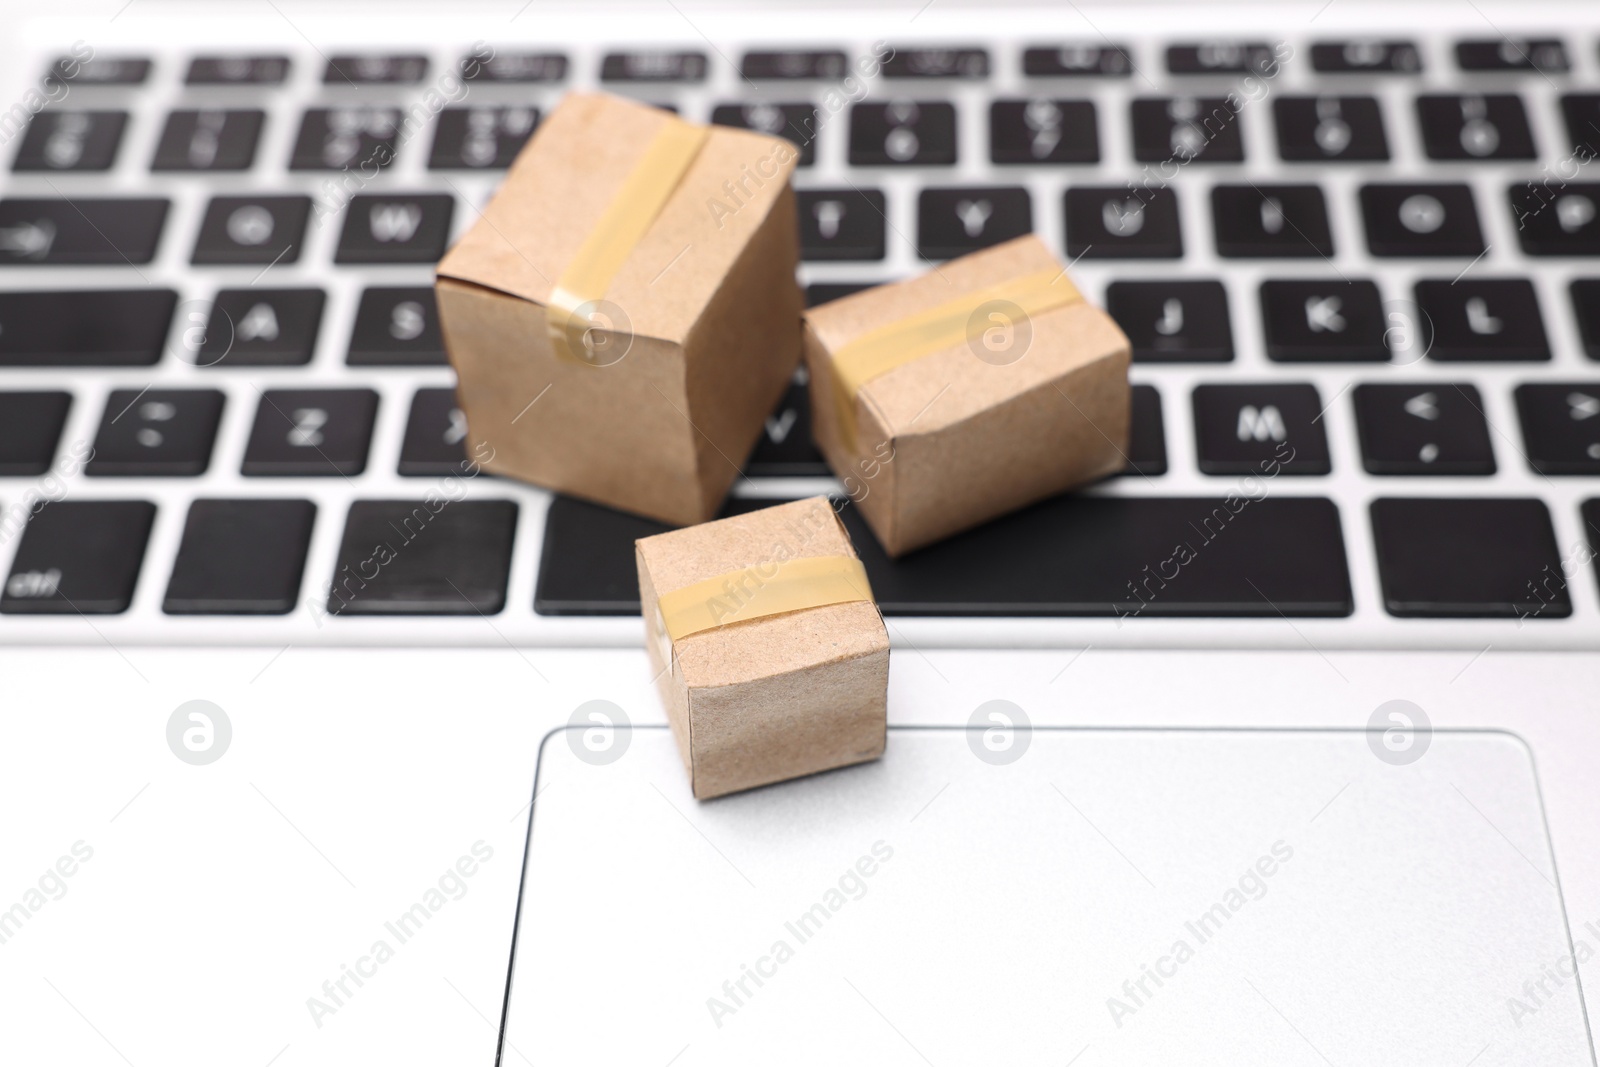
<point x="657" y="392"/>
<point x="1023" y="393"/>
<point x="754" y="698"/>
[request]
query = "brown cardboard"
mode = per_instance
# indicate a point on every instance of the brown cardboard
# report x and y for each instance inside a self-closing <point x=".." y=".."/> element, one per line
<point x="709" y="295"/>
<point x="766" y="699"/>
<point x="950" y="441"/>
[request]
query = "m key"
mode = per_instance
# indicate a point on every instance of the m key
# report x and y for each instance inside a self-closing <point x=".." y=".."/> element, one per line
<point x="1260" y="429"/>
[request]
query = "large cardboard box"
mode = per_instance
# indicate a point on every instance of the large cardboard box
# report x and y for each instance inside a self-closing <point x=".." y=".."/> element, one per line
<point x="755" y="698"/>
<point x="624" y="314"/>
<point x="978" y="388"/>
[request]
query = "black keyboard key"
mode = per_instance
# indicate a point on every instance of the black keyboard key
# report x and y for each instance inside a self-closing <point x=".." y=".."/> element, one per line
<point x="841" y="224"/>
<point x="30" y="429"/>
<point x="396" y="228"/>
<point x="1585" y="294"/>
<point x="1423" y="429"/>
<point x="1561" y="426"/>
<point x="396" y="327"/>
<point x="515" y="68"/>
<point x="1173" y="321"/>
<point x="1186" y="129"/>
<point x="71" y="141"/>
<point x="373" y="69"/>
<point x="85" y="72"/>
<point x="1474" y="126"/>
<point x="424" y="557"/>
<point x="156" y="433"/>
<point x="789" y="65"/>
<point x="1557" y="218"/>
<point x="1421" y="220"/>
<point x="1481" y="319"/>
<point x="937" y="63"/>
<point x="1260" y="429"/>
<point x="85" y="327"/>
<point x="1043" y="131"/>
<point x="474" y="138"/>
<point x="261" y="328"/>
<point x="259" y="230"/>
<point x="355" y="138"/>
<point x="240" y="557"/>
<point x="436" y="434"/>
<point x="1582" y="112"/>
<point x="1318" y="129"/>
<point x="823" y="292"/>
<point x="1365" y="57"/>
<point x="1324" y="321"/>
<point x="794" y="121"/>
<point x="1077" y="60"/>
<point x="953" y="222"/>
<point x="237" y="70"/>
<point x="903" y="132"/>
<point x="1147" y="437"/>
<point x="311" y="433"/>
<point x="81" y="231"/>
<point x="654" y="67"/>
<point x="1476" y="558"/>
<point x="1222" y="57"/>
<point x="79" y="557"/>
<point x="1120" y="222"/>
<point x="785" y="448"/>
<point x="209" y="140"/>
<point x="1544" y="54"/>
<point x="1271" y="221"/>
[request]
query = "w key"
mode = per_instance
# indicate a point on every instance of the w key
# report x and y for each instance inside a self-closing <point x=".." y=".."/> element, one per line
<point x="395" y="228"/>
<point x="1323" y="321"/>
<point x="80" y="232"/>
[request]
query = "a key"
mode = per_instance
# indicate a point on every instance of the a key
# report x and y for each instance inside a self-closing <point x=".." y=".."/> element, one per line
<point x="654" y="67"/>
<point x="78" y="72"/>
<point x="1480" y="558"/>
<point x="1582" y="114"/>
<point x="953" y="222"/>
<point x="1121" y="222"/>
<point x="395" y="228"/>
<point x="1585" y="294"/>
<point x="515" y="68"/>
<point x="1186" y="129"/>
<point x="1365" y="56"/>
<point x="841" y="224"/>
<point x="785" y="448"/>
<point x="823" y="292"/>
<point x="796" y="122"/>
<point x="1078" y="59"/>
<point x="372" y="69"/>
<point x="1271" y="221"/>
<point x="396" y="328"/>
<point x="1173" y="321"/>
<point x="209" y="140"/>
<point x="237" y="70"/>
<point x="1332" y="321"/>
<point x="1421" y="220"/>
<point x="1221" y="57"/>
<point x="240" y="557"/>
<point x="71" y="141"/>
<point x="341" y="138"/>
<point x="1423" y="428"/>
<point x="476" y="138"/>
<point x="252" y="229"/>
<point x="1042" y="130"/>
<point x="1260" y="429"/>
<point x="157" y="433"/>
<point x="1540" y="54"/>
<point x="937" y="63"/>
<point x="79" y="557"/>
<point x="1317" y="129"/>
<point x="1561" y="426"/>
<point x="30" y="429"/>
<point x="311" y="433"/>
<point x="822" y="65"/>
<point x="261" y="328"/>
<point x="1474" y="126"/>
<point x="424" y="557"/>
<point x="80" y="231"/>
<point x="436" y="435"/>
<point x="1481" y="319"/>
<point x="1557" y="218"/>
<point x="84" y="327"/>
<point x="903" y="133"/>
<point x="1147" y="437"/>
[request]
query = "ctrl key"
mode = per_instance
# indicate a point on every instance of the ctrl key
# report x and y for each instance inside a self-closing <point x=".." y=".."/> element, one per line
<point x="79" y="557"/>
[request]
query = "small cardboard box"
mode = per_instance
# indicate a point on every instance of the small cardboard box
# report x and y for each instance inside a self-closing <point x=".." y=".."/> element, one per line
<point x="993" y="408"/>
<point x="690" y="338"/>
<point x="759" y="698"/>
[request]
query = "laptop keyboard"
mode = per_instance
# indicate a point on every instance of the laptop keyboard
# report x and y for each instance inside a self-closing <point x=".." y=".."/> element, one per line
<point x="1364" y="308"/>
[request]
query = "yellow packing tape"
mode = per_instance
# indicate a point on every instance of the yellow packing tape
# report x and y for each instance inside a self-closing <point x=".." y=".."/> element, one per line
<point x="762" y="590"/>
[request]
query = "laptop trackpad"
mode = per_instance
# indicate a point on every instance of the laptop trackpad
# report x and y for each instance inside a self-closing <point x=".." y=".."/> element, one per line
<point x="1130" y="896"/>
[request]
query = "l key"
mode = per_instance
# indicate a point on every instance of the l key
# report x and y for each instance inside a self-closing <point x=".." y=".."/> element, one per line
<point x="1481" y="319"/>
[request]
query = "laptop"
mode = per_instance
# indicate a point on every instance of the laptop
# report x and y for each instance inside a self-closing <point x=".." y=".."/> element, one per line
<point x="1233" y="757"/>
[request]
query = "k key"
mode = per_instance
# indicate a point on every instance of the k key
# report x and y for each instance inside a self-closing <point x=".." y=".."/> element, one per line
<point x="1323" y="321"/>
<point x="1488" y="319"/>
<point x="1173" y="321"/>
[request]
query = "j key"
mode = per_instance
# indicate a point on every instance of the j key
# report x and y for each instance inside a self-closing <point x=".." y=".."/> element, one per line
<point x="209" y="140"/>
<point x="158" y="433"/>
<point x="1365" y="57"/>
<point x="261" y="328"/>
<point x="937" y="63"/>
<point x="361" y="138"/>
<point x="1477" y="558"/>
<point x="240" y="557"/>
<point x="1043" y="131"/>
<point x="1186" y="130"/>
<point x="396" y="328"/>
<point x="785" y="448"/>
<point x="1582" y="112"/>
<point x="71" y="140"/>
<point x="1077" y="60"/>
<point x="311" y="432"/>
<point x="395" y="228"/>
<point x="1147" y="437"/>
<point x="1561" y="426"/>
<point x="1323" y="321"/>
<point x="824" y="65"/>
<point x="81" y="231"/>
<point x="237" y="70"/>
<point x="1070" y="555"/>
<point x="1585" y="294"/>
<point x="1423" y="429"/>
<point x="1221" y="57"/>
<point x="1421" y="220"/>
<point x="1271" y="221"/>
<point x="903" y="132"/>
<point x="1172" y="321"/>
<point x="436" y="434"/>
<point x="841" y="224"/>
<point x="1260" y="429"/>
<point x="424" y="557"/>
<point x="110" y="70"/>
<point x="1481" y="319"/>
<point x="30" y="429"/>
<point x="1316" y="129"/>
<point x="375" y="70"/>
<point x="1557" y="218"/>
<point x="255" y="229"/>
<point x="1475" y="127"/>
<point x="1542" y="54"/>
<point x="796" y="122"/>
<point x="515" y="68"/>
<point x="654" y="67"/>
<point x="823" y="292"/>
<point x="85" y="327"/>
<point x="79" y="557"/>
<point x="953" y="222"/>
<point x="473" y="138"/>
<point x="1119" y="222"/>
